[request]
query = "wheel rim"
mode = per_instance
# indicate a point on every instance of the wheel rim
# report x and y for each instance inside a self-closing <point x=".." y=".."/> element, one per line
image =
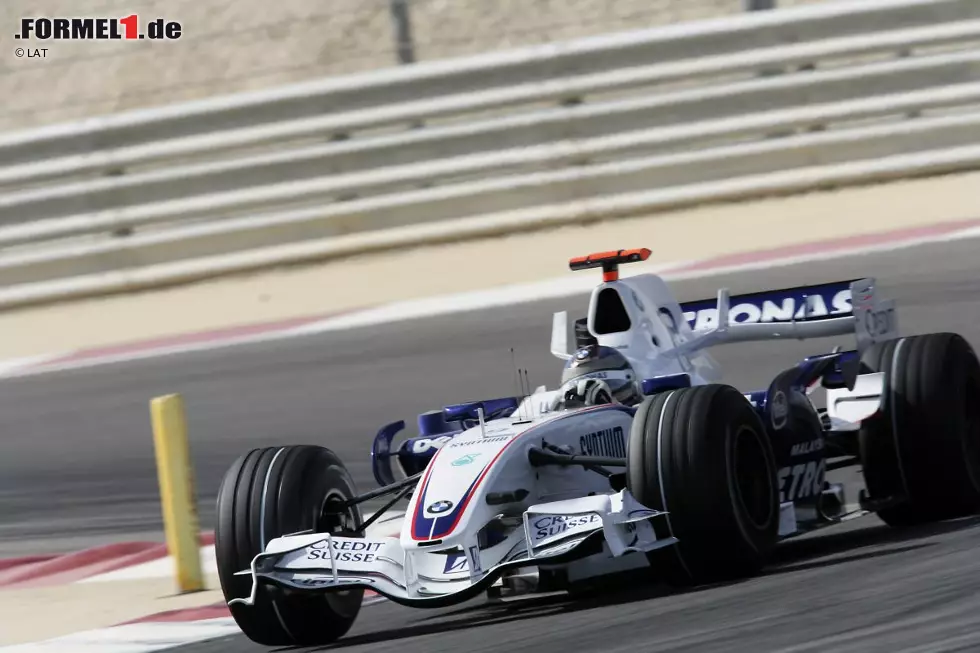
<point x="337" y="523"/>
<point x="345" y="524"/>
<point x="754" y="487"/>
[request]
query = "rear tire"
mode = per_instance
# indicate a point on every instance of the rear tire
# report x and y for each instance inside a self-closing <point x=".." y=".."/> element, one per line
<point x="703" y="455"/>
<point x="265" y="494"/>
<point x="921" y="452"/>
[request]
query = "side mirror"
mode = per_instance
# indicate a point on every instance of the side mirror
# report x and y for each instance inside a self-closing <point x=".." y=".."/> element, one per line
<point x="491" y="408"/>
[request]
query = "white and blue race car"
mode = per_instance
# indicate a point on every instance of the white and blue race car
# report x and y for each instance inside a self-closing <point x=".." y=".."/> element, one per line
<point x="640" y="459"/>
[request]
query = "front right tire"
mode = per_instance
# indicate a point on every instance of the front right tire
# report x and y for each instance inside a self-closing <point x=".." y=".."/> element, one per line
<point x="272" y="492"/>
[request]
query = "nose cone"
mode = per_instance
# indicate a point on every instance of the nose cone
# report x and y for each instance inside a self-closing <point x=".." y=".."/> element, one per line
<point x="449" y="491"/>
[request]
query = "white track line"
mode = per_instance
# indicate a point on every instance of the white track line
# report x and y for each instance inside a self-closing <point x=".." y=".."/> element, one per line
<point x="133" y="638"/>
<point x="10" y="366"/>
<point x="159" y="568"/>
<point x="565" y="286"/>
<point x="570" y="286"/>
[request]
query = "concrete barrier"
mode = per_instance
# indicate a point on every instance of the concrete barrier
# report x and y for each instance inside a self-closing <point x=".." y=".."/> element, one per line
<point x="679" y="114"/>
<point x="746" y="105"/>
<point x="130" y="153"/>
<point x="536" y="64"/>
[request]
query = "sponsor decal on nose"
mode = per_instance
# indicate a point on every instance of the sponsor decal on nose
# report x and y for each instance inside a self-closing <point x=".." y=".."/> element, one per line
<point x="465" y="459"/>
<point x="439" y="507"/>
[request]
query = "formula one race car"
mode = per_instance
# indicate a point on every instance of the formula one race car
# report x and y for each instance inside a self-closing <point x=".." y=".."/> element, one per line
<point x="639" y="459"/>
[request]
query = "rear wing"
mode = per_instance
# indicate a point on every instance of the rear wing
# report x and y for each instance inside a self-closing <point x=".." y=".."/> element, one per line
<point x="830" y="309"/>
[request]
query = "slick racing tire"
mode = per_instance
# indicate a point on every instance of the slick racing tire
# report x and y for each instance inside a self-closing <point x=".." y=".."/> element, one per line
<point x="702" y="455"/>
<point x="268" y="493"/>
<point x="921" y="451"/>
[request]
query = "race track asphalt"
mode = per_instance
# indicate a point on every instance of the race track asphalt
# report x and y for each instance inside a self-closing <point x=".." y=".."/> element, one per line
<point x="861" y="588"/>
<point x="77" y="468"/>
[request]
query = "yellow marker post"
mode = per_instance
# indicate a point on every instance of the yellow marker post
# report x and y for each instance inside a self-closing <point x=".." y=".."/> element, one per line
<point x="177" y="494"/>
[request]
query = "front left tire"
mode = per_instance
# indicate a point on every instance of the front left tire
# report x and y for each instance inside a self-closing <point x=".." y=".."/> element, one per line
<point x="272" y="492"/>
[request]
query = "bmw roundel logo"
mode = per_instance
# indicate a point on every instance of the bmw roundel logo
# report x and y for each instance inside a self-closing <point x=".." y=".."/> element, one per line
<point x="439" y="507"/>
<point x="582" y="354"/>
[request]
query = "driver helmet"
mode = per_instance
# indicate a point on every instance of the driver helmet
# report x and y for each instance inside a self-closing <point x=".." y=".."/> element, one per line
<point x="610" y="370"/>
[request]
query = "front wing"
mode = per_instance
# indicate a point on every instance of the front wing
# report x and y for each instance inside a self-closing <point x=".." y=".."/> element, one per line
<point x="552" y="533"/>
